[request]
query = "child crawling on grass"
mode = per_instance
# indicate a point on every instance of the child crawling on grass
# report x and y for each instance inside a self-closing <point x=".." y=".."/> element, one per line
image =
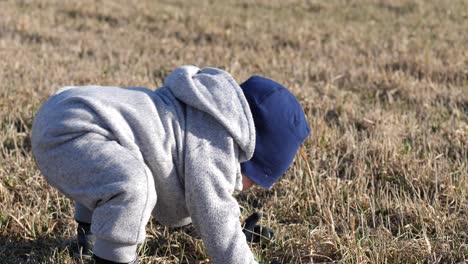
<point x="177" y="153"/>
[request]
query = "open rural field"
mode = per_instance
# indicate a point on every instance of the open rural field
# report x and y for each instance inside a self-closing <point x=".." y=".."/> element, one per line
<point x="383" y="178"/>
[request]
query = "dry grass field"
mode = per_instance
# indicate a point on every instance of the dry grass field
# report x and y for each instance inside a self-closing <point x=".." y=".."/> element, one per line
<point x="383" y="177"/>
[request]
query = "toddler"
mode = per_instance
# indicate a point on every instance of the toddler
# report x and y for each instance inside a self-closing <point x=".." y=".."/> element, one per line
<point x="177" y="153"/>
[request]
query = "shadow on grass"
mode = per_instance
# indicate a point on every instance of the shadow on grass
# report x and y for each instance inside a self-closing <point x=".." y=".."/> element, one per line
<point x="41" y="250"/>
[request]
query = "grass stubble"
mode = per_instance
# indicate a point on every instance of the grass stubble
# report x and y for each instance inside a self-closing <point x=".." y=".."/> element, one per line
<point x="382" y="178"/>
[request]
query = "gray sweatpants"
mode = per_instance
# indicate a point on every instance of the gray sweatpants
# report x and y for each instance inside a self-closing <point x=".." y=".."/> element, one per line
<point x="110" y="184"/>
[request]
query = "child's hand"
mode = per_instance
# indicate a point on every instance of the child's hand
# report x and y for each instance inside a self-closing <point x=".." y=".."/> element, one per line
<point x="255" y="233"/>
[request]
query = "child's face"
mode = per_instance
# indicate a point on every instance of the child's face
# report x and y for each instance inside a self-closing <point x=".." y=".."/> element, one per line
<point x="246" y="183"/>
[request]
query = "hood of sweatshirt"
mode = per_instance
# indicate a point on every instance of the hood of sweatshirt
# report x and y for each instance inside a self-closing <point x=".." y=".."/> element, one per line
<point x="216" y="93"/>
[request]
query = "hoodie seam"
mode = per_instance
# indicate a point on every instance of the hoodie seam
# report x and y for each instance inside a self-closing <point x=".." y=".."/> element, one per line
<point x="142" y="214"/>
<point x="244" y="105"/>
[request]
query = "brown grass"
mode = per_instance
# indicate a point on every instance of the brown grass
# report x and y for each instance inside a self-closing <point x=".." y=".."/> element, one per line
<point x="383" y="177"/>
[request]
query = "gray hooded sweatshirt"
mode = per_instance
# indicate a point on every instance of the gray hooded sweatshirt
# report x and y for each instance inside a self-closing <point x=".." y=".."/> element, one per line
<point x="190" y="136"/>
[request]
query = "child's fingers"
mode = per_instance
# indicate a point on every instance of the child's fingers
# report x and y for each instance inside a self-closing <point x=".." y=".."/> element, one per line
<point x="266" y="233"/>
<point x="252" y="220"/>
<point x="248" y="235"/>
<point x="261" y="233"/>
<point x="258" y="234"/>
<point x="255" y="233"/>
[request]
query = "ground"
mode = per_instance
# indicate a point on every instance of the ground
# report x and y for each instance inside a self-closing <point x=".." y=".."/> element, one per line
<point x="383" y="177"/>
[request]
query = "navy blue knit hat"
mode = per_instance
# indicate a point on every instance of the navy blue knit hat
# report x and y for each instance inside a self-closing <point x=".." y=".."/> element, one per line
<point x="280" y="127"/>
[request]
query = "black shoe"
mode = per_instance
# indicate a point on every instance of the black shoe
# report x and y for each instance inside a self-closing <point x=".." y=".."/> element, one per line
<point x="82" y="248"/>
<point x="98" y="260"/>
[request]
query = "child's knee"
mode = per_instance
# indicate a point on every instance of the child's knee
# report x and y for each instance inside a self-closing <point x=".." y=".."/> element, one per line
<point x="141" y="193"/>
<point x="123" y="217"/>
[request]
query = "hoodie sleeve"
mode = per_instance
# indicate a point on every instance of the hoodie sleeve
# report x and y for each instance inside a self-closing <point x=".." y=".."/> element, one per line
<point x="211" y="172"/>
